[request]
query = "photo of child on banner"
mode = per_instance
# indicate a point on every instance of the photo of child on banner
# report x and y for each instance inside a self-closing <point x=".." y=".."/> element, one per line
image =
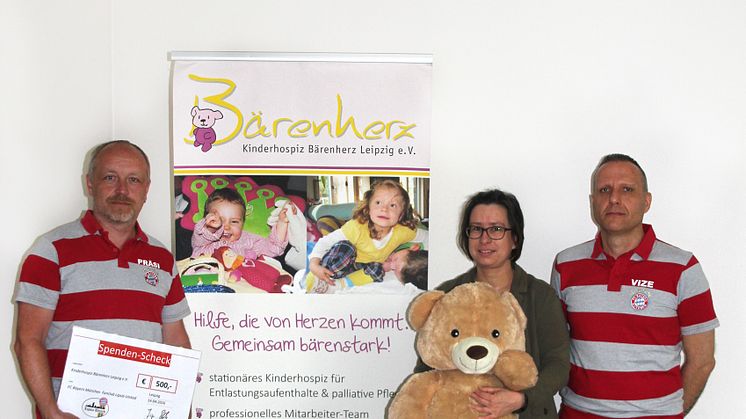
<point x="234" y="235"/>
<point x="380" y="248"/>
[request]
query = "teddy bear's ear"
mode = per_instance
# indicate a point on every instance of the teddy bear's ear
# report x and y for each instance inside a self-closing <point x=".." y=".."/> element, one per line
<point x="194" y="110"/>
<point x="517" y="309"/>
<point x="421" y="307"/>
<point x="217" y="115"/>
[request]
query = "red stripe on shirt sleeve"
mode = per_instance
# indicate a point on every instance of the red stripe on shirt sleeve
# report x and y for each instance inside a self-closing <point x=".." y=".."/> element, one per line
<point x="622" y="328"/>
<point x="696" y="309"/>
<point x="612" y="385"/>
<point x="692" y="261"/>
<point x="176" y="293"/>
<point x="42" y="272"/>
<point x="109" y="304"/>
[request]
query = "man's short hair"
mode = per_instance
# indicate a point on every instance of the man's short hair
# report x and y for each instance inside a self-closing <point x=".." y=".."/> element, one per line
<point x="99" y="148"/>
<point x="618" y="157"/>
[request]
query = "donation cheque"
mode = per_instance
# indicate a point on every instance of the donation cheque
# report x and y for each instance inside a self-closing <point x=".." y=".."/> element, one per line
<point x="111" y="376"/>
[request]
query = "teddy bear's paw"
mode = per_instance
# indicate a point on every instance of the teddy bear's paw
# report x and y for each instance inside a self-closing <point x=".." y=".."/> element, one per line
<point x="517" y="370"/>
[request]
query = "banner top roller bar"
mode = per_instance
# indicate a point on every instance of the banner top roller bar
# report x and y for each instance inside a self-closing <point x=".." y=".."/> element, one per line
<point x="299" y="57"/>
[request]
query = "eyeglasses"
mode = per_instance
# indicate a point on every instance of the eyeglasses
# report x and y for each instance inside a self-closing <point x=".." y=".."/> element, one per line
<point x="493" y="232"/>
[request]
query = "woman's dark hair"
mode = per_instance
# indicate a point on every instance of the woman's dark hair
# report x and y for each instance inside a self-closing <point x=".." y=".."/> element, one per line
<point x="515" y="218"/>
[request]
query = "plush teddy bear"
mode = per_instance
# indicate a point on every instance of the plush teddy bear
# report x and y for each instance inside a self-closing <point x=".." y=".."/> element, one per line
<point x="203" y="120"/>
<point x="473" y="337"/>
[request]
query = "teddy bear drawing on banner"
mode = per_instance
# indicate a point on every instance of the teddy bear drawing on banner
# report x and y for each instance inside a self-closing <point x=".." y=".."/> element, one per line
<point x="203" y="120"/>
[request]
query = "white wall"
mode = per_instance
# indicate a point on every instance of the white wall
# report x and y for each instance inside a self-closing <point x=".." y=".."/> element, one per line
<point x="526" y="96"/>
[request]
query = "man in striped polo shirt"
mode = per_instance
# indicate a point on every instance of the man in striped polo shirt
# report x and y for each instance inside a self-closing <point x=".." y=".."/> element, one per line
<point x="101" y="272"/>
<point x="633" y="303"/>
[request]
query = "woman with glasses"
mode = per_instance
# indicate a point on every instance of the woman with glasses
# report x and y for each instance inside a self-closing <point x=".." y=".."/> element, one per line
<point x="491" y="236"/>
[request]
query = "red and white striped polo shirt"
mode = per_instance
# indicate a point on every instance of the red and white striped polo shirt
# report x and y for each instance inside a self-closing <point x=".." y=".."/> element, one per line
<point x="87" y="281"/>
<point x="626" y="319"/>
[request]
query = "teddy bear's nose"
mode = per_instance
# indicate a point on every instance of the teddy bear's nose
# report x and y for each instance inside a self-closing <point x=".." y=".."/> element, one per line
<point x="476" y="352"/>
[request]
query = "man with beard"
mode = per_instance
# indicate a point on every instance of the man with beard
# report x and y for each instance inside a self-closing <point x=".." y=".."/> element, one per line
<point x="100" y="272"/>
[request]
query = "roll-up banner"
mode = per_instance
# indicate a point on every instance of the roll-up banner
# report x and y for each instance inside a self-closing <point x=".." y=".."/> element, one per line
<point x="282" y="158"/>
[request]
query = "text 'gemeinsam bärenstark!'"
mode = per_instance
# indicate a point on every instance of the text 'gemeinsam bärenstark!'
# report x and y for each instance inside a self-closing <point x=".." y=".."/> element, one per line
<point x="346" y="343"/>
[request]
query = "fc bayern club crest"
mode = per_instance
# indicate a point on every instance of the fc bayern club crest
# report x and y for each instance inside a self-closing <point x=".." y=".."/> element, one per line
<point x="640" y="301"/>
<point x="151" y="278"/>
